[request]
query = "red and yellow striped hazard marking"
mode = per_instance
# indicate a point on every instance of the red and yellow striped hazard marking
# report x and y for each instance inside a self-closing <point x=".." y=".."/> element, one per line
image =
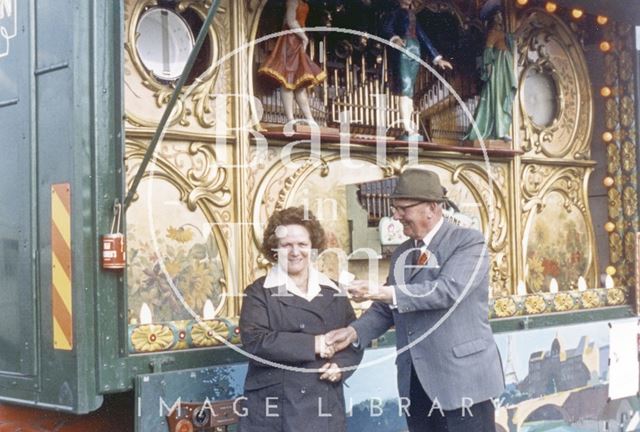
<point x="61" y="294"/>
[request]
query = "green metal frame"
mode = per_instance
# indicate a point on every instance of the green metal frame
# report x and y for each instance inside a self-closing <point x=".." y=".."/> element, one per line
<point x="116" y="369"/>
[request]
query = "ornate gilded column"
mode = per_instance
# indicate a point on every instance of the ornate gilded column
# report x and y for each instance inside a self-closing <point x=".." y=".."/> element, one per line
<point x="620" y="139"/>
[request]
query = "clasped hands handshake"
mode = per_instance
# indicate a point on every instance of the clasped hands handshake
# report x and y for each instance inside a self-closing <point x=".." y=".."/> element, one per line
<point x="327" y="345"/>
<point x="336" y="340"/>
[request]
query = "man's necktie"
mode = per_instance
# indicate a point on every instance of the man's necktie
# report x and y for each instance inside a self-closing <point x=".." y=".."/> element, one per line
<point x="424" y="258"/>
<point x="417" y="255"/>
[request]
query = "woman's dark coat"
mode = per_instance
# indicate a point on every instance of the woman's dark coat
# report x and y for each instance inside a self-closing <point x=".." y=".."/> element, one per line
<point x="282" y="329"/>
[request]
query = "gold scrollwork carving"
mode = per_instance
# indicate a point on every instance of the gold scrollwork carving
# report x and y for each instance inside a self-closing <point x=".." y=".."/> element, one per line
<point x="303" y="171"/>
<point x="490" y="192"/>
<point x="548" y="47"/>
<point x="615" y="203"/>
<point x="630" y="201"/>
<point x="499" y="275"/>
<point x="628" y="156"/>
<point x="539" y="180"/>
<point x="289" y="182"/>
<point x="198" y="95"/>
<point x="200" y="182"/>
<point x="615" y="248"/>
<point x="203" y="180"/>
<point x="394" y="166"/>
<point x="492" y="198"/>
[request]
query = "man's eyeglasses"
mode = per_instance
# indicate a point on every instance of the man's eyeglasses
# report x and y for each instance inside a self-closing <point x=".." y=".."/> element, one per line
<point x="401" y="209"/>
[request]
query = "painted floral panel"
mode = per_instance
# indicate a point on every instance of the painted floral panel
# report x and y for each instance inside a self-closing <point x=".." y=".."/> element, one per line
<point x="173" y="262"/>
<point x="557" y="246"/>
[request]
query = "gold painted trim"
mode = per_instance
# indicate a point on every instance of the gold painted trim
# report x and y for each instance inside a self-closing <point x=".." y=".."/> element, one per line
<point x="569" y="135"/>
<point x="199" y="91"/>
<point x="198" y="193"/>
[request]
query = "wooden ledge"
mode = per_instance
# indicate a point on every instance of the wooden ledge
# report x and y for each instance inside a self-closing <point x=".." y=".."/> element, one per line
<point x="331" y="137"/>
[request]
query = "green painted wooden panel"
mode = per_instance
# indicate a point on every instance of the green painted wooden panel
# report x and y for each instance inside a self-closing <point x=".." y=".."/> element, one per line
<point x="17" y="283"/>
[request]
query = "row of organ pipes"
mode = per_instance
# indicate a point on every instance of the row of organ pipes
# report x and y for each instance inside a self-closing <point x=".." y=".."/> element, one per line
<point x="360" y="90"/>
<point x="374" y="197"/>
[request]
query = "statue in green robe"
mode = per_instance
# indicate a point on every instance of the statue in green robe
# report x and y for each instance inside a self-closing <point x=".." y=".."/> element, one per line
<point x="493" y="114"/>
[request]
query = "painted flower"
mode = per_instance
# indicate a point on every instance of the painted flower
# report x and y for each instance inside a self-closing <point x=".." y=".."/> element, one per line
<point x="534" y="304"/>
<point x="181" y="235"/>
<point x="198" y="281"/>
<point x="563" y="302"/>
<point x="209" y="333"/>
<point x="151" y="338"/>
<point x="590" y="299"/>
<point x="615" y="296"/>
<point x="155" y="278"/>
<point x="173" y="267"/>
<point x="536" y="273"/>
<point x="576" y="257"/>
<point x="551" y="267"/>
<point x="505" y="307"/>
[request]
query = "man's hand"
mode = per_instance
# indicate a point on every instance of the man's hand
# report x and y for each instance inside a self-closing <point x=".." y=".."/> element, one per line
<point x="360" y="291"/>
<point x="330" y="372"/>
<point x="398" y="41"/>
<point x="341" y="338"/>
<point x="323" y="348"/>
<point x="443" y="64"/>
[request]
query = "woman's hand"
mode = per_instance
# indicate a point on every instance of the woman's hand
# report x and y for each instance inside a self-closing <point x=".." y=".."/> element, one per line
<point x="322" y="349"/>
<point x="330" y="372"/>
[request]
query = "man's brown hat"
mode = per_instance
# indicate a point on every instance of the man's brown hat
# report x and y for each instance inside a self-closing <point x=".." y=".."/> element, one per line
<point x="419" y="184"/>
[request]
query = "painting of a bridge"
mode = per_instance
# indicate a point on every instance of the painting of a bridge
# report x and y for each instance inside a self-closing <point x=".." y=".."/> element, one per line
<point x="557" y="380"/>
<point x="559" y="383"/>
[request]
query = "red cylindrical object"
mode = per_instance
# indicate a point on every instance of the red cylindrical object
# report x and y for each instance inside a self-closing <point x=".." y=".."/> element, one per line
<point x="114" y="251"/>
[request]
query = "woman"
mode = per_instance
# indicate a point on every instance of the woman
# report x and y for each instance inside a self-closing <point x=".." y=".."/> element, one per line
<point x="494" y="112"/>
<point x="289" y="63"/>
<point x="283" y="319"/>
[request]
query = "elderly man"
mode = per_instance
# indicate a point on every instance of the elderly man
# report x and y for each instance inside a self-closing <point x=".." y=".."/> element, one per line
<point x="436" y="295"/>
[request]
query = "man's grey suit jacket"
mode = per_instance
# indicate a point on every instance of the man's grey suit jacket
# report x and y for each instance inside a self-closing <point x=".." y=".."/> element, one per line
<point x="441" y="320"/>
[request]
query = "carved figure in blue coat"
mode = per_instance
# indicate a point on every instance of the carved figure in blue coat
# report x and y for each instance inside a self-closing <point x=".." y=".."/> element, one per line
<point x="404" y="31"/>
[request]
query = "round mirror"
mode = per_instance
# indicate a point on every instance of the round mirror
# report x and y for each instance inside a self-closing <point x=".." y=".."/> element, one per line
<point x="164" y="42"/>
<point x="540" y="97"/>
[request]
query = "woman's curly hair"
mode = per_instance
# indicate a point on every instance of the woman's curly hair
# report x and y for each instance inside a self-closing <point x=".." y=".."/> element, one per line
<point x="291" y="216"/>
